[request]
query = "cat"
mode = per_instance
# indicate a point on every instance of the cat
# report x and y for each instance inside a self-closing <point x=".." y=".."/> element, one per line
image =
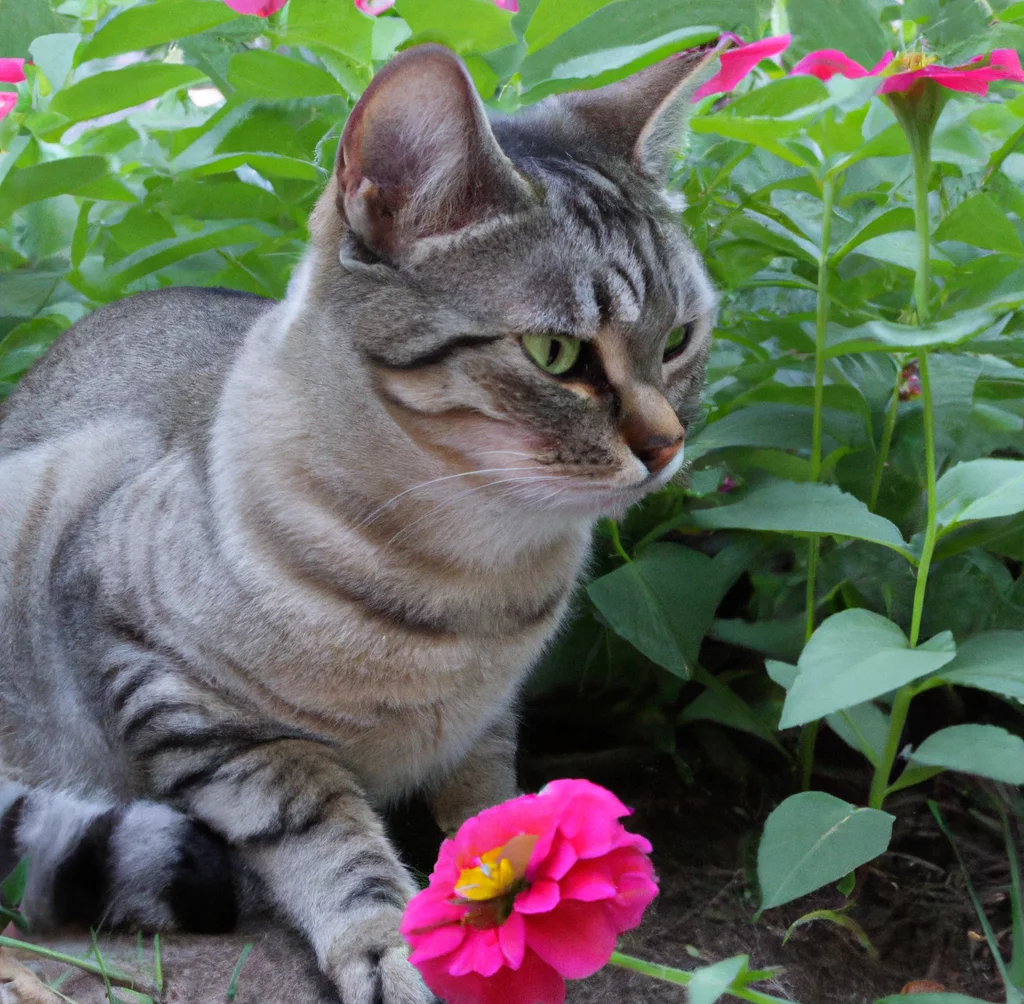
<point x="266" y="569"/>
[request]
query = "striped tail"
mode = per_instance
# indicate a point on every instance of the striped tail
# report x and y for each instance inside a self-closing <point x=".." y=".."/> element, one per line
<point x="100" y="864"/>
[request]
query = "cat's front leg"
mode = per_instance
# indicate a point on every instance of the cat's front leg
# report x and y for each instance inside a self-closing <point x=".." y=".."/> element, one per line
<point x="299" y="819"/>
<point x="484" y="778"/>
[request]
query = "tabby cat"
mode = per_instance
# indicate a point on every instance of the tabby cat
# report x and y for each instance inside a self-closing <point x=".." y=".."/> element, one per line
<point x="266" y="569"/>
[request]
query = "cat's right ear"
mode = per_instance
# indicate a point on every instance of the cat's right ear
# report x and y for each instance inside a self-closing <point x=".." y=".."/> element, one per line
<point x="418" y="157"/>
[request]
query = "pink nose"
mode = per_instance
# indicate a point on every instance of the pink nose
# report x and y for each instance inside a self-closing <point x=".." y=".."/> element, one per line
<point x="657" y="453"/>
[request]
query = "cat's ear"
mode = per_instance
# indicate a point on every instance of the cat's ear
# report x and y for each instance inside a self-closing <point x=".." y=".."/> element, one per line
<point x="418" y="157"/>
<point x="642" y="116"/>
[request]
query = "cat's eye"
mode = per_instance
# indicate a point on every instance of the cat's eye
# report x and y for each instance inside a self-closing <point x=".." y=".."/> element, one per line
<point x="677" y="341"/>
<point x="555" y="354"/>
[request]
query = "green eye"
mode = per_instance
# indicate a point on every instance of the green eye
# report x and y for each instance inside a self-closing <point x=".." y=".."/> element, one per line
<point x="555" y="354"/>
<point x="677" y="341"/>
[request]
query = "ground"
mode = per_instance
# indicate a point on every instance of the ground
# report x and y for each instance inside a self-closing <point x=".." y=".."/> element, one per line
<point x="912" y="903"/>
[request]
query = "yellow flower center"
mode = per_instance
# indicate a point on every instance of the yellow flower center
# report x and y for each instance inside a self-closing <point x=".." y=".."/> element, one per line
<point x="910" y="61"/>
<point x="499" y="873"/>
<point x="490" y="888"/>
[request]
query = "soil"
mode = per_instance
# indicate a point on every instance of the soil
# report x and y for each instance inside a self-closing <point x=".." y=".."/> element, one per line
<point x="912" y="903"/>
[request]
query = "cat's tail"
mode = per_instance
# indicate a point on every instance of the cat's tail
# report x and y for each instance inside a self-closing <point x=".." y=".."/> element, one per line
<point x="92" y="862"/>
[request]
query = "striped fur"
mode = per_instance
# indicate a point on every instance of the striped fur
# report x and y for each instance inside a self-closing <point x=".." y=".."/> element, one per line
<point x="267" y="569"/>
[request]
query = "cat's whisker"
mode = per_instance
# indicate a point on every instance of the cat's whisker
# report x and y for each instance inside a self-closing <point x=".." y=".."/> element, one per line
<point x="426" y="484"/>
<point x="447" y="503"/>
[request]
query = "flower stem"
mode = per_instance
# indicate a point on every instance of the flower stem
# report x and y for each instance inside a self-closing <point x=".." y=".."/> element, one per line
<point x="897" y="719"/>
<point x="931" y="526"/>
<point x="613" y="532"/>
<point x="922" y="281"/>
<point x="886" y="444"/>
<point x="682" y="978"/>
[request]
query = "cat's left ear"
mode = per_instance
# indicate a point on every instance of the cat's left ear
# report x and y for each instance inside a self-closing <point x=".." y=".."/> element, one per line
<point x="642" y="117"/>
<point x="418" y="157"/>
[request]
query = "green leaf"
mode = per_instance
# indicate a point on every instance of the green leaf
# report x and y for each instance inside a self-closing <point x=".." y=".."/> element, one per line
<point x="849" y="25"/>
<point x="23" y="21"/>
<point x="710" y="983"/>
<point x="54" y="55"/>
<point x="146" y="25"/>
<point x="663" y="602"/>
<point x="552" y="17"/>
<point x="992" y="661"/>
<point x="813" y="839"/>
<point x="52" y="177"/>
<point x="856" y="656"/>
<point x="979" y="221"/>
<point x="116" y="89"/>
<point x="878" y="225"/>
<point x="985" y="750"/>
<point x="12" y="888"/>
<point x="26" y="343"/>
<point x="766" y="425"/>
<point x="465" y="25"/>
<point x="333" y="25"/>
<point x="887" y="336"/>
<point x="792" y="507"/>
<point x="980" y="489"/>
<point x="258" y="74"/>
<point x="863" y="727"/>
<point x="613" y="37"/>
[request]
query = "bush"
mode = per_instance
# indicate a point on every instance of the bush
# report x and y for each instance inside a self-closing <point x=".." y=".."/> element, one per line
<point x="859" y="467"/>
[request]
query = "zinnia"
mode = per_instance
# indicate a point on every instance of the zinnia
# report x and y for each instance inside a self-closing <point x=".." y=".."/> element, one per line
<point x="900" y="73"/>
<point x="738" y="62"/>
<point x="11" y="72"/>
<point x="261" y="8"/>
<point x="529" y="894"/>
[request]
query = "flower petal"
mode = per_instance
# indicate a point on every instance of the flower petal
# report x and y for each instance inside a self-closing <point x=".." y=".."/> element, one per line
<point x="261" y="8"/>
<point x="826" y="63"/>
<point x="542" y="897"/>
<point x="440" y="941"/>
<point x="12" y="71"/>
<point x="7" y="103"/>
<point x="511" y="5"/>
<point x="558" y="862"/>
<point x="374" y="7"/>
<point x="512" y="939"/>
<point x="535" y="982"/>
<point x="479" y="953"/>
<point x="738" y="62"/>
<point x="589" y="881"/>
<point x="577" y="939"/>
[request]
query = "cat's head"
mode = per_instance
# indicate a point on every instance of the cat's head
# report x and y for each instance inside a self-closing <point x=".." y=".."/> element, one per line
<point x="521" y="290"/>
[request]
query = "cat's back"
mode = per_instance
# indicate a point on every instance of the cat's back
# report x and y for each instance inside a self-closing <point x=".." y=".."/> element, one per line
<point x="160" y="356"/>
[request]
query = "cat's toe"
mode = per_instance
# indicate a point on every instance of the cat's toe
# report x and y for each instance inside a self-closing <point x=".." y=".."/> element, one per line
<point x="384" y="976"/>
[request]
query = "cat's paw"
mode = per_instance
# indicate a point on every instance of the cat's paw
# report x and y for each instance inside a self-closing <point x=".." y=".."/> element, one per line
<point x="384" y="977"/>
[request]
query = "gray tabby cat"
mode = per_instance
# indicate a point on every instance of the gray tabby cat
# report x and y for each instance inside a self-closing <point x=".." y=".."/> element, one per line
<point x="265" y="569"/>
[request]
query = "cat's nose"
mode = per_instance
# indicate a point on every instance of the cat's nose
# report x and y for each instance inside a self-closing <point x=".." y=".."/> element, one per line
<point x="651" y="428"/>
<point x="657" y="454"/>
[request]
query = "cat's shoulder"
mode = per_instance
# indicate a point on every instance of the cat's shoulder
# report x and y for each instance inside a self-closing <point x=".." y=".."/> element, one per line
<point x="162" y="354"/>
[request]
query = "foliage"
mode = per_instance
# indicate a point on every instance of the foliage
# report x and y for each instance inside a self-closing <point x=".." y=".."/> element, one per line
<point x="859" y="466"/>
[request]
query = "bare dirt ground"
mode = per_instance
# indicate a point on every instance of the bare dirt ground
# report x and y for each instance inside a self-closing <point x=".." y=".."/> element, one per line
<point x="912" y="903"/>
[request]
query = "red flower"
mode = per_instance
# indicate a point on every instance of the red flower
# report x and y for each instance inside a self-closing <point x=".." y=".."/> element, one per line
<point x="529" y="894"/>
<point x="7" y="103"/>
<point x="738" y="62"/>
<point x="906" y="70"/>
<point x="261" y="8"/>
<point x="374" y="7"/>
<point x="12" y="70"/>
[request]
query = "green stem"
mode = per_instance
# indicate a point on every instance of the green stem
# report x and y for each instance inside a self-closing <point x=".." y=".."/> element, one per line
<point x="682" y="978"/>
<point x="931" y="526"/>
<point x="808" y="740"/>
<point x="613" y="531"/>
<point x="887" y="433"/>
<point x="46" y="953"/>
<point x="897" y="719"/>
<point x="922" y="281"/>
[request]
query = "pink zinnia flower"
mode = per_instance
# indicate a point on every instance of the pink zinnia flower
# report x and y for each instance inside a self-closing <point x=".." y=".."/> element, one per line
<point x="738" y="62"/>
<point x="375" y="7"/>
<point x="261" y="8"/>
<point x="906" y="70"/>
<point x="7" y="103"/>
<point x="12" y="71"/>
<point x="529" y="894"/>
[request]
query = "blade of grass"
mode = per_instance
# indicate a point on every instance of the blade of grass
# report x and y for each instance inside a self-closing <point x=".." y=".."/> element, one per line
<point x="158" y="965"/>
<point x="1016" y="971"/>
<point x="1013" y="995"/>
<point x="233" y="985"/>
<point x="70" y="960"/>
